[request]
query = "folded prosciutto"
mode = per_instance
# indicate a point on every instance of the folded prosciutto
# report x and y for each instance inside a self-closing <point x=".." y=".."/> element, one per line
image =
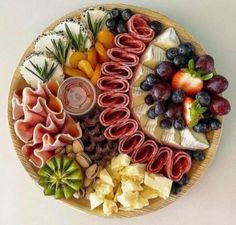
<point x="129" y="43"/>
<point x="120" y="130"/>
<point x="138" y="27"/>
<point x="116" y="69"/>
<point x="112" y="116"/>
<point x="121" y="56"/>
<point x="114" y="83"/>
<point x="172" y="163"/>
<point x="41" y="123"/>
<point x="113" y="99"/>
<point x="129" y="144"/>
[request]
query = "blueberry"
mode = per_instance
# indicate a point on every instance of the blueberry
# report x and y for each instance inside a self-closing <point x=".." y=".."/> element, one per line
<point x="151" y="113"/>
<point x="208" y="114"/>
<point x="149" y="100"/>
<point x="165" y="124"/>
<point x="159" y="108"/>
<point x="126" y="14"/>
<point x="201" y="127"/>
<point x="111" y="24"/>
<point x="203" y="97"/>
<point x="214" y="124"/>
<point x="184" y="180"/>
<point x="176" y="188"/>
<point x="178" y="96"/>
<point x="114" y="13"/>
<point x="156" y="26"/>
<point x="152" y="79"/>
<point x="121" y="28"/>
<point x="171" y="53"/>
<point x="198" y="156"/>
<point x="179" y="123"/>
<point x="180" y="61"/>
<point x="145" y="86"/>
<point x="186" y="49"/>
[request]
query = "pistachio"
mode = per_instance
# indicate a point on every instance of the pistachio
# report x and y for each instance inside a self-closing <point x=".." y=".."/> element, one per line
<point x="88" y="182"/>
<point x="69" y="149"/>
<point x="92" y="171"/>
<point x="83" y="159"/>
<point x="78" y="146"/>
<point x="71" y="155"/>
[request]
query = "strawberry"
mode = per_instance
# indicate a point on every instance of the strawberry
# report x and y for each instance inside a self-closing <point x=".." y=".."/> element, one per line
<point x="190" y="80"/>
<point x="192" y="111"/>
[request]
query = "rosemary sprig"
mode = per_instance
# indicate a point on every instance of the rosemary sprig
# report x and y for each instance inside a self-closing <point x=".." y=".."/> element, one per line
<point x="43" y="73"/>
<point x="60" y="52"/>
<point x="78" y="41"/>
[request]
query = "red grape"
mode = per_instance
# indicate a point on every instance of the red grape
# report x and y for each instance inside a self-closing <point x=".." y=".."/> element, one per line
<point x="216" y="85"/>
<point x="161" y="91"/>
<point x="219" y="105"/>
<point x="173" y="110"/>
<point x="166" y="70"/>
<point x="205" y="63"/>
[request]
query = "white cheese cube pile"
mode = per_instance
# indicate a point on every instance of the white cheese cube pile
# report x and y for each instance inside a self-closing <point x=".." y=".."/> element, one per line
<point x="125" y="186"/>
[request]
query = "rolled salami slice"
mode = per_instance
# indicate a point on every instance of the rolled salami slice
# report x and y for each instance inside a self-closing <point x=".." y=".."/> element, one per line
<point x="113" y="99"/>
<point x="129" y="43"/>
<point x="162" y="162"/>
<point x="129" y="144"/>
<point x="114" y="83"/>
<point x="112" y="116"/>
<point x="146" y="152"/>
<point x="121" y="130"/>
<point x="116" y="69"/>
<point x="123" y="57"/>
<point x="181" y="165"/>
<point x="139" y="28"/>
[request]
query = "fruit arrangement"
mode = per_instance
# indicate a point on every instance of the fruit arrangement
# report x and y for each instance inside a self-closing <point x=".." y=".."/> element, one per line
<point x="116" y="109"/>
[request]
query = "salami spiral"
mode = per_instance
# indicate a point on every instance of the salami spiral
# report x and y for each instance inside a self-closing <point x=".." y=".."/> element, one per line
<point x="129" y="43"/>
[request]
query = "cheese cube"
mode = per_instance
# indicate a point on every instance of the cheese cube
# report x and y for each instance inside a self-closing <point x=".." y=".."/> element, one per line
<point x="95" y="200"/>
<point x="109" y="207"/>
<point x="122" y="160"/>
<point x="105" y="177"/>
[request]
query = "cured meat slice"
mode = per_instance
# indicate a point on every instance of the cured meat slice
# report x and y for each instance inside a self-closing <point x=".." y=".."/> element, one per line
<point x="114" y="83"/>
<point x="112" y="116"/>
<point x="139" y="28"/>
<point x="181" y="165"/>
<point x="123" y="57"/>
<point x="113" y="99"/>
<point x="146" y="152"/>
<point x="162" y="162"/>
<point x="129" y="43"/>
<point x="116" y="69"/>
<point x="129" y="144"/>
<point x="121" y="130"/>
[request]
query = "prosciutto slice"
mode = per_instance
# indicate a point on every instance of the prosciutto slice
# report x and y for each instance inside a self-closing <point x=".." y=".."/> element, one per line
<point x="123" y="57"/>
<point x="112" y="116"/>
<point x="146" y="152"/>
<point x="129" y="144"/>
<point x="113" y="99"/>
<point x="112" y="69"/>
<point x="121" y="130"/>
<point x="114" y="83"/>
<point x="138" y="27"/>
<point x="129" y="43"/>
<point x="41" y="123"/>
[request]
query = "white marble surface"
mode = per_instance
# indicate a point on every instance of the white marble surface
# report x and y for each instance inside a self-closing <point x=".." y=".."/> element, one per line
<point x="211" y="201"/>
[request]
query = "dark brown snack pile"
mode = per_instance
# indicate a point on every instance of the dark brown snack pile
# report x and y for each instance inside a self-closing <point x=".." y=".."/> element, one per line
<point x="96" y="146"/>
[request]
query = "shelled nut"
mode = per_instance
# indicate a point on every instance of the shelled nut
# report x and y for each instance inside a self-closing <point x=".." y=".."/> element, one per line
<point x="92" y="171"/>
<point x="78" y="146"/>
<point x="69" y="149"/>
<point x="83" y="160"/>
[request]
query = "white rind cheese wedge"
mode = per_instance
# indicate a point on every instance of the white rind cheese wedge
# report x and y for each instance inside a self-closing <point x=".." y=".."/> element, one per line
<point x="167" y="39"/>
<point x="171" y="137"/>
<point x="39" y="59"/>
<point x="76" y="27"/>
<point x="153" y="56"/>
<point x="192" y="140"/>
<point x="140" y="74"/>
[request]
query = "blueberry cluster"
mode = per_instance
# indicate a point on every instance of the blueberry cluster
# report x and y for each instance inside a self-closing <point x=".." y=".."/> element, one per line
<point x="177" y="186"/>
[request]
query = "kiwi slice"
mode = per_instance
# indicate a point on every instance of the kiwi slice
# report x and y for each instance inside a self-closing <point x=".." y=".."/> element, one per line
<point x="61" y="177"/>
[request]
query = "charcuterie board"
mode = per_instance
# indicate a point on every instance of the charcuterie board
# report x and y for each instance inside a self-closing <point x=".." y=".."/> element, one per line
<point x="96" y="126"/>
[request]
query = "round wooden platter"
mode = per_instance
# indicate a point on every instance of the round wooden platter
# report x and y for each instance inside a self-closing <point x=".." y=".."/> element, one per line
<point x="198" y="168"/>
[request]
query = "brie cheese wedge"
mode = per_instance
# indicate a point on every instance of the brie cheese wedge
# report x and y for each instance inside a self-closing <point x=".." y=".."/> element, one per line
<point x="153" y="56"/>
<point x="192" y="140"/>
<point x="140" y="74"/>
<point x="167" y="39"/>
<point x="171" y="137"/>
